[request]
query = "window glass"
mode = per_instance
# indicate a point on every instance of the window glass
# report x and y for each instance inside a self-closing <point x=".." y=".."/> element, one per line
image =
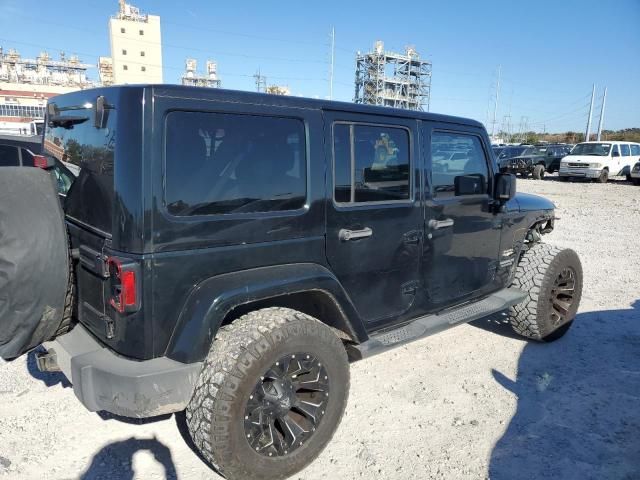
<point x="379" y="164"/>
<point x="635" y="150"/>
<point x="614" y="151"/>
<point x="9" y="156"/>
<point x="63" y="179"/>
<point x="342" y="162"/>
<point x="625" y="150"/>
<point x="225" y="163"/>
<point x="457" y="159"/>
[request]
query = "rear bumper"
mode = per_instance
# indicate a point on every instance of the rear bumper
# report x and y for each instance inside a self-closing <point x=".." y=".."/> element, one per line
<point x="105" y="381"/>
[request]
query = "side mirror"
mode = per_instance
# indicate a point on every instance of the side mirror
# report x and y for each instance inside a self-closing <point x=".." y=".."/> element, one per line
<point x="505" y="187"/>
<point x="469" y="185"/>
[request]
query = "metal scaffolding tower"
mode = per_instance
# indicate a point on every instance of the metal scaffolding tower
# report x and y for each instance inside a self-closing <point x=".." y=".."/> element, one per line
<point x="393" y="79"/>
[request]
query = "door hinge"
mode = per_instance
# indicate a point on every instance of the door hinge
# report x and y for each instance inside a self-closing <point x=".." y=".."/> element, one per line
<point x="410" y="288"/>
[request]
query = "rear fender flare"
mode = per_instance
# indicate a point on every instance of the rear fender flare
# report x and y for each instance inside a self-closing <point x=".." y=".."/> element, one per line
<point x="213" y="299"/>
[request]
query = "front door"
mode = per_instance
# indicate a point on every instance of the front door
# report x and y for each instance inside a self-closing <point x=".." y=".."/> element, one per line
<point x="461" y="229"/>
<point x="374" y="218"/>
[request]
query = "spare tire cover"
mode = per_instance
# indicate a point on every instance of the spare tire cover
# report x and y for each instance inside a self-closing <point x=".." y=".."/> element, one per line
<point x="34" y="260"/>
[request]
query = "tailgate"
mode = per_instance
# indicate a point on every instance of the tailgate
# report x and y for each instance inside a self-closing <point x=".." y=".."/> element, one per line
<point x="91" y="277"/>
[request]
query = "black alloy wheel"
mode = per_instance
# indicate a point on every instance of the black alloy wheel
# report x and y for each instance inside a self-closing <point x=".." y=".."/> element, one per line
<point x="562" y="295"/>
<point x="287" y="405"/>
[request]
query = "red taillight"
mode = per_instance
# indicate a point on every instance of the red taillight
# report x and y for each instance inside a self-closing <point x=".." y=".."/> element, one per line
<point x="40" y="161"/>
<point x="124" y="294"/>
<point x="128" y="280"/>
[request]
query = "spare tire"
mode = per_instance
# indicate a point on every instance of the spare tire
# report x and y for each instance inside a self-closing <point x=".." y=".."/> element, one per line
<point x="35" y="279"/>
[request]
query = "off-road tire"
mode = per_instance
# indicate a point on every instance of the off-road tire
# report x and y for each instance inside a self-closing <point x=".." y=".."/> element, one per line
<point x="241" y="353"/>
<point x="604" y="176"/>
<point x="68" y="315"/>
<point x="536" y="273"/>
<point x="636" y="181"/>
<point x="538" y="172"/>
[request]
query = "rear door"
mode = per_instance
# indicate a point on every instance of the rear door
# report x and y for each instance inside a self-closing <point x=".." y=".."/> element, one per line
<point x="462" y="232"/>
<point x="374" y="215"/>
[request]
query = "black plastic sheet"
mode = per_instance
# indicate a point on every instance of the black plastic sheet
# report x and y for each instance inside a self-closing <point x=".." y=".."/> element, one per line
<point x="33" y="260"/>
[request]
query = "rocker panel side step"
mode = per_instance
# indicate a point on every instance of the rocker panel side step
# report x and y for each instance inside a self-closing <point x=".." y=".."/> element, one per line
<point x="435" y="323"/>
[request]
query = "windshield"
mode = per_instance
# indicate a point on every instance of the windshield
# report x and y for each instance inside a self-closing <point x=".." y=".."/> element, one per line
<point x="510" y="152"/>
<point x="599" y="149"/>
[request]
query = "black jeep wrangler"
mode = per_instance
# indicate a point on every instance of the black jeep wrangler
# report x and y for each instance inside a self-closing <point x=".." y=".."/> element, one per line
<point x="533" y="161"/>
<point x="230" y="253"/>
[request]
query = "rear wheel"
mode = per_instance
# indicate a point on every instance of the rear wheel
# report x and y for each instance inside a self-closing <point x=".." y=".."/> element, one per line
<point x="552" y="278"/>
<point x="636" y="181"/>
<point x="538" y="172"/>
<point x="270" y="396"/>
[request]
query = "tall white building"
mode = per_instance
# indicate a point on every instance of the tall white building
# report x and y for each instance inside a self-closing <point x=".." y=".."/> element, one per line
<point x="136" y="48"/>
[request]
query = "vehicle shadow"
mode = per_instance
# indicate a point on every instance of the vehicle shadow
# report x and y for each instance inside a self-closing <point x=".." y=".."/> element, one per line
<point x="578" y="411"/>
<point x="115" y="461"/>
<point x="48" y="378"/>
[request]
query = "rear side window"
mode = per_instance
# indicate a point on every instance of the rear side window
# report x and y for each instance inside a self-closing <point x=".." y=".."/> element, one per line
<point x="9" y="156"/>
<point x="219" y="163"/>
<point x="635" y="150"/>
<point x="371" y="163"/>
<point x="457" y="159"/>
<point x="625" y="150"/>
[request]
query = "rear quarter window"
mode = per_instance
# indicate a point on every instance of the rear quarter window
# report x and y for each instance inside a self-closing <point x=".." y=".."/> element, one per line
<point x="9" y="156"/>
<point x="219" y="163"/>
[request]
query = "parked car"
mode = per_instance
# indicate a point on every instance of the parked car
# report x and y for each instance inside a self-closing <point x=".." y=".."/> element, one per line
<point x="600" y="160"/>
<point x="535" y="161"/>
<point x="635" y="174"/>
<point x="216" y="268"/>
<point x="15" y="155"/>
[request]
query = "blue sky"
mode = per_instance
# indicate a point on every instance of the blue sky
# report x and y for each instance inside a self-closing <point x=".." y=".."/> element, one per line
<point x="550" y="52"/>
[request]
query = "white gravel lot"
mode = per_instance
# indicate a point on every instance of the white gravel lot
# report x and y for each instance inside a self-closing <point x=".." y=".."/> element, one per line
<point x="474" y="402"/>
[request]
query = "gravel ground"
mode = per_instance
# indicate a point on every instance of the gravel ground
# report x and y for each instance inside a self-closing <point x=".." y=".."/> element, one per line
<point x="471" y="403"/>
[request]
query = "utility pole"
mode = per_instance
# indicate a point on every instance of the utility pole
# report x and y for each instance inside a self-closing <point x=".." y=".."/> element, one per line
<point x="586" y="135"/>
<point x="600" y="123"/>
<point x="261" y="81"/>
<point x="333" y="56"/>
<point x="495" y="107"/>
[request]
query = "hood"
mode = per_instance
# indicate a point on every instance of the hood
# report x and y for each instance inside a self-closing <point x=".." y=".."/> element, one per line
<point x="528" y="202"/>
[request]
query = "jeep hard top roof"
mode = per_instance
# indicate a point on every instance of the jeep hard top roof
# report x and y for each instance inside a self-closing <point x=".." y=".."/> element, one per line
<point x="239" y="96"/>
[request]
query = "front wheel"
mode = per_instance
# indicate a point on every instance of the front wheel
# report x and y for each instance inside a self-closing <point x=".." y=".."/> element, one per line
<point x="552" y="278"/>
<point x="538" y="172"/>
<point x="270" y="396"/>
<point x="604" y="176"/>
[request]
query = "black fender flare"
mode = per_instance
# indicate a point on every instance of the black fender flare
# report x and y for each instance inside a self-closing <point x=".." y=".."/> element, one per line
<point x="213" y="299"/>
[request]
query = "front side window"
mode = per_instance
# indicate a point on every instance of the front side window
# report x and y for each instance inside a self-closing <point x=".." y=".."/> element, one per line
<point x="371" y="163"/>
<point x="615" y="152"/>
<point x="458" y="164"/>
<point x="218" y="163"/>
<point x="625" y="150"/>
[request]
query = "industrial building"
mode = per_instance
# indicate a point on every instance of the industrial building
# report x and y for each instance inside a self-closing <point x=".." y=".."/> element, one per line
<point x="136" y="48"/>
<point x="192" y="78"/>
<point x="393" y="79"/>
<point x="27" y="83"/>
